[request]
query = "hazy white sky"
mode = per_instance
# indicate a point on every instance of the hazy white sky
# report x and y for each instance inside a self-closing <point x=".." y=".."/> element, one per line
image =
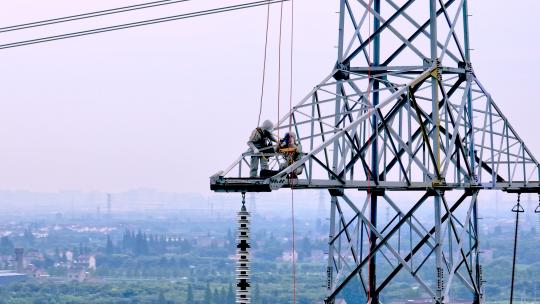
<point x="166" y="106"/>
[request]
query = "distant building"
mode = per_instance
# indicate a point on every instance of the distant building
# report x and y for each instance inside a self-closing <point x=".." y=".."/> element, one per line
<point x="19" y="260"/>
<point x="92" y="263"/>
<point x="69" y="256"/>
<point x="80" y="268"/>
<point x="85" y="262"/>
<point x="11" y="277"/>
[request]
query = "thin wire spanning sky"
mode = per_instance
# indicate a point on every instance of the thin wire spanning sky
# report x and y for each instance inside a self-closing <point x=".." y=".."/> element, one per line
<point x="168" y="105"/>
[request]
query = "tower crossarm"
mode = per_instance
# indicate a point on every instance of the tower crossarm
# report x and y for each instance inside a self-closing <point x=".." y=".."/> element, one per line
<point x="488" y="155"/>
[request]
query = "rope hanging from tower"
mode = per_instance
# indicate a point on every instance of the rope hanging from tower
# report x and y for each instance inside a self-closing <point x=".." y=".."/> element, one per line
<point x="292" y="178"/>
<point x="264" y="63"/>
<point x="516" y="209"/>
<point x="290" y="155"/>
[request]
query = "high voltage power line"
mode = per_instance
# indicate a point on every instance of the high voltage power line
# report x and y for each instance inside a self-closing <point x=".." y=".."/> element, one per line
<point x="121" y="26"/>
<point x="111" y="11"/>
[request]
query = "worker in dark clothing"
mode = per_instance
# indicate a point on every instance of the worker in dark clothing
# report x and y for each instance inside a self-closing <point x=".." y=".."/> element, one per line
<point x="291" y="150"/>
<point x="260" y="142"/>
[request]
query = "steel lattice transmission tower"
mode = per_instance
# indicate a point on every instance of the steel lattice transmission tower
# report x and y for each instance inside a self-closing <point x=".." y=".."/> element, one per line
<point x="402" y="121"/>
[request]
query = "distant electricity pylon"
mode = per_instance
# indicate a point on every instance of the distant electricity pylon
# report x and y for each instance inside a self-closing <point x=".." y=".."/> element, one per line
<point x="403" y="118"/>
<point x="109" y="204"/>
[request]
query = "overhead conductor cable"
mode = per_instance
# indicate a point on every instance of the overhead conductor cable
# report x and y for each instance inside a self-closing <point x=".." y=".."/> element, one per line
<point x="141" y="23"/>
<point x="94" y="14"/>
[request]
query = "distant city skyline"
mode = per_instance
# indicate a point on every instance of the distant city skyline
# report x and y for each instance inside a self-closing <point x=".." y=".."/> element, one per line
<point x="166" y="106"/>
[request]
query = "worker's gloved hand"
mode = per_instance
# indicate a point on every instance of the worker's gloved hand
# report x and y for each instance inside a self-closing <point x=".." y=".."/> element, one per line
<point x="256" y="151"/>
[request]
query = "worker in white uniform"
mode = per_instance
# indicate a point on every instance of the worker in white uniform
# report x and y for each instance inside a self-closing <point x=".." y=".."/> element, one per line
<point x="260" y="142"/>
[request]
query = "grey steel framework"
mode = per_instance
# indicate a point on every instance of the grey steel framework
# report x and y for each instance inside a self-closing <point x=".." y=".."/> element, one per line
<point x="402" y="110"/>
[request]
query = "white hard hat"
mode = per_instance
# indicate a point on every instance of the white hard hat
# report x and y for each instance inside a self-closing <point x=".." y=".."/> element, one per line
<point x="267" y="125"/>
<point x="292" y="134"/>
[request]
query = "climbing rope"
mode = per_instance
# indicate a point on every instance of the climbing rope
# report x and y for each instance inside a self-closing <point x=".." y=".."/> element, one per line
<point x="279" y="67"/>
<point x="537" y="211"/>
<point x="291" y="181"/>
<point x="291" y="66"/>
<point x="280" y="39"/>
<point x="293" y="246"/>
<point x="264" y="63"/>
<point x="517" y="209"/>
